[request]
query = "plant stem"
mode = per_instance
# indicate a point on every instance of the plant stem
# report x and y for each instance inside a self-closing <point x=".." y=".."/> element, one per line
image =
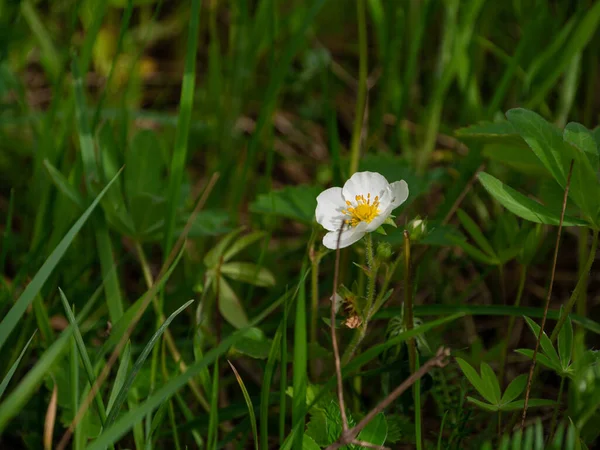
<point x="583" y="250"/>
<point x="556" y="409"/>
<point x="362" y="87"/>
<point x="314" y="285"/>
<point x="412" y="351"/>
<point x="581" y="284"/>
<point x="361" y="331"/>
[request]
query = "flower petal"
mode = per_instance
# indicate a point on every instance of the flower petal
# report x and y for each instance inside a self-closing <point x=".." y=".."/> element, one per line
<point x="363" y="183"/>
<point x="399" y="193"/>
<point x="349" y="236"/>
<point x="329" y="209"/>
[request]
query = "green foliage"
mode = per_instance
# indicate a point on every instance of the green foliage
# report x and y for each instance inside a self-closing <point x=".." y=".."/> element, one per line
<point x="487" y="385"/>
<point x="114" y="116"/>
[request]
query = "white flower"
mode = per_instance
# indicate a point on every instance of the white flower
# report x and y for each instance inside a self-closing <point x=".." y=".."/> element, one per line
<point x="361" y="206"/>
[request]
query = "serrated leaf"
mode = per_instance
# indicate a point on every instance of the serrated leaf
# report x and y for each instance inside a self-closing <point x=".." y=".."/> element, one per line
<point x="514" y="389"/>
<point x="309" y="444"/>
<point x="522" y="206"/>
<point x="248" y="273"/>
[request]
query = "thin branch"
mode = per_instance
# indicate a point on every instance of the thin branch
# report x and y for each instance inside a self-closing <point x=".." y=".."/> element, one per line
<point x="349" y="436"/>
<point x="336" y="350"/>
<point x="537" y="344"/>
<point x="144" y="304"/>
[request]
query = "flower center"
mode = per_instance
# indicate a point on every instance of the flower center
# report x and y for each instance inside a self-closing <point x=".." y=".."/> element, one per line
<point x="364" y="211"/>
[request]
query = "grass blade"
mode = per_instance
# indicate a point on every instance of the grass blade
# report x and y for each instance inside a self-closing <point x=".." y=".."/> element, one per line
<point x="300" y="379"/>
<point x="13" y="368"/>
<point x="183" y="127"/>
<point x="33" y="288"/>
<point x="122" y="396"/>
<point x="87" y="364"/>
<point x="265" y="388"/>
<point x="248" y="403"/>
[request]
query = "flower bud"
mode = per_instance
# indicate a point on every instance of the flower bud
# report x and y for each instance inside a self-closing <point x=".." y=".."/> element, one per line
<point x="384" y="251"/>
<point x="417" y="228"/>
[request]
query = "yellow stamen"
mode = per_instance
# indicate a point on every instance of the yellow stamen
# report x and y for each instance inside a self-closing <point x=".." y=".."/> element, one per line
<point x="365" y="211"/>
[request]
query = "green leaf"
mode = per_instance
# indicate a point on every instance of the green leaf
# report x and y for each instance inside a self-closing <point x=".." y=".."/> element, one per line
<point x="533" y="403"/>
<point x="522" y="206"/>
<point x="211" y="259"/>
<point x="308" y="443"/>
<point x="585" y="189"/>
<point x="582" y="139"/>
<point x="255" y="344"/>
<point x="375" y="432"/>
<point x="483" y="405"/>
<point x="229" y="304"/>
<point x="293" y="202"/>
<point x="514" y="389"/>
<point x="541" y="358"/>
<point x="482" y="387"/>
<point x="248" y="273"/>
<point x="13" y="368"/>
<point x="545" y="342"/>
<point x="475" y="232"/>
<point x="471" y="250"/>
<point x="544" y="139"/>
<point x="120" y="377"/>
<point x="488" y="377"/>
<point x="241" y="243"/>
<point x="122" y="395"/>
<point x="13" y="316"/>
<point x="565" y="344"/>
<point x="519" y="157"/>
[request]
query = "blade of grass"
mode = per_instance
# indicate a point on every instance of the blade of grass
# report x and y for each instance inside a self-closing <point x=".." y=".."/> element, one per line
<point x="213" y="419"/>
<point x="119" y="378"/>
<point x="13" y="368"/>
<point x="489" y="310"/>
<point x="248" y="403"/>
<point x="33" y="288"/>
<point x="183" y="127"/>
<point x="266" y="387"/>
<point x="122" y="396"/>
<point x="87" y="364"/>
<point x="74" y="384"/>
<point x="300" y="377"/>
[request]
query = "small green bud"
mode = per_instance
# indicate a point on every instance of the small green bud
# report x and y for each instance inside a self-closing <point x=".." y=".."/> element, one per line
<point x="384" y="251"/>
<point x="417" y="229"/>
